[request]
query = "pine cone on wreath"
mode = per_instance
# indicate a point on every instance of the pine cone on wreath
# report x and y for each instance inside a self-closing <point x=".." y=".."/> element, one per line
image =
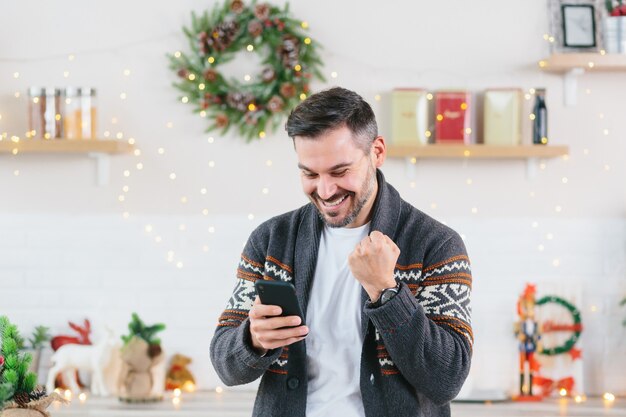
<point x="222" y="36"/>
<point x="289" y="51"/>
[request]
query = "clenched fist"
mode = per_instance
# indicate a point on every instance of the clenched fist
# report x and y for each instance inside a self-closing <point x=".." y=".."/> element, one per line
<point x="372" y="263"/>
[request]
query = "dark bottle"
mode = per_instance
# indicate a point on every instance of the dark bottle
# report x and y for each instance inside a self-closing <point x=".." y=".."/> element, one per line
<point x="540" y="123"/>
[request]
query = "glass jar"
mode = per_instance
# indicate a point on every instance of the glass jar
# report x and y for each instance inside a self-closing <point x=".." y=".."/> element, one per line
<point x="52" y="114"/>
<point x="88" y="112"/>
<point x="36" y="109"/>
<point x="72" y="118"/>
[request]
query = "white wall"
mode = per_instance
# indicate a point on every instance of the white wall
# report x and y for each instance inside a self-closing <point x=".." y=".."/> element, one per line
<point x="64" y="242"/>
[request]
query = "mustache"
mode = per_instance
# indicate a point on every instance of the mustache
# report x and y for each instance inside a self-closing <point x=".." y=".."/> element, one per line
<point x="316" y="196"/>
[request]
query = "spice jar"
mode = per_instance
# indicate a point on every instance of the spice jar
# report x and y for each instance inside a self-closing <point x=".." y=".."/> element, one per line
<point x="52" y="114"/>
<point x="36" y="108"/>
<point x="72" y="113"/>
<point x="88" y="113"/>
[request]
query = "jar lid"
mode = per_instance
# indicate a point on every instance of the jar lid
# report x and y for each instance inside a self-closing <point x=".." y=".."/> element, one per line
<point x="52" y="91"/>
<point x="88" y="91"/>
<point x="35" y="91"/>
<point x="72" y="91"/>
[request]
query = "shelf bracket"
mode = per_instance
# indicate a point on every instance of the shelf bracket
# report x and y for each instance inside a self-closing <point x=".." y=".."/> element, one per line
<point x="570" y="86"/>
<point x="103" y="167"/>
<point x="531" y="168"/>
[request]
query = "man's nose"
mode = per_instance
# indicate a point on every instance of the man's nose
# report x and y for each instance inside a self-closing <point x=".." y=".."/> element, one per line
<point x="326" y="187"/>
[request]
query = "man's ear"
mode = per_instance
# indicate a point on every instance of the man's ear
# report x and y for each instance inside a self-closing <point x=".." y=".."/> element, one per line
<point x="379" y="150"/>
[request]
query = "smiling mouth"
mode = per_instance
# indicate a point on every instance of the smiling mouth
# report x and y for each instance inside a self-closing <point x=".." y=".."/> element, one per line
<point x="334" y="202"/>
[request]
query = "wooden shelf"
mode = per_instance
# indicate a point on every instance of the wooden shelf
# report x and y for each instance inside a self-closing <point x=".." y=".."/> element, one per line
<point x="445" y="151"/>
<point x="99" y="149"/>
<point x="562" y="63"/>
<point x="87" y="146"/>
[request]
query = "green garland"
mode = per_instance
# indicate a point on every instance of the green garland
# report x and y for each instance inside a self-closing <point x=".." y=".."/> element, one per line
<point x="569" y="344"/>
<point x="289" y="58"/>
<point x="17" y="383"/>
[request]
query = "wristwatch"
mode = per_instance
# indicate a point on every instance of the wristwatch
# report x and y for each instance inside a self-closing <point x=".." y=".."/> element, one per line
<point x="386" y="295"/>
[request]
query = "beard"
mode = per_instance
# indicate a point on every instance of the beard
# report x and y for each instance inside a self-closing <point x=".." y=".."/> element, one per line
<point x="332" y="220"/>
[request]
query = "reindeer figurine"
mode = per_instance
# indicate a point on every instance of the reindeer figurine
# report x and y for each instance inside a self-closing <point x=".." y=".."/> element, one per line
<point x="82" y="339"/>
<point x="91" y="358"/>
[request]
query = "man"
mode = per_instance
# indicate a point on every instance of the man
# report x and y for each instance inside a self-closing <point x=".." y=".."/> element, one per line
<point x="384" y="287"/>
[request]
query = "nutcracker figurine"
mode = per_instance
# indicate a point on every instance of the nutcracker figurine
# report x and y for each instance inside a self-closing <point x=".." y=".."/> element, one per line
<point x="528" y="333"/>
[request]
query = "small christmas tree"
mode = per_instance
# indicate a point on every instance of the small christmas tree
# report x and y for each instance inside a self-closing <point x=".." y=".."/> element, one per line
<point x="16" y="382"/>
<point x="138" y="328"/>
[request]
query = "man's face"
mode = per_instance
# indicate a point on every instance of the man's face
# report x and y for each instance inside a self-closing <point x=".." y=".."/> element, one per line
<point x="338" y="177"/>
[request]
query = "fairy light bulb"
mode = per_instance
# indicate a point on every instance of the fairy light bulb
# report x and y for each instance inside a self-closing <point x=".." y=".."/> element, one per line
<point x="210" y="139"/>
<point x="250" y="216"/>
<point x="184" y="200"/>
<point x="126" y="72"/>
<point x="433" y="206"/>
<point x="127" y="173"/>
<point x="16" y="75"/>
<point x="219" y="390"/>
<point x="211" y="229"/>
<point x="205" y="212"/>
<point x="250" y="48"/>
<point x="177" y="54"/>
<point x="160" y="151"/>
<point x="148" y="228"/>
<point x="131" y="141"/>
<point x="269" y="162"/>
<point x="126" y="215"/>
<point x="540" y="248"/>
<point x="265" y="190"/>
<point x="123" y="96"/>
<point x="158" y="239"/>
<point x="66" y="74"/>
<point x="211" y="164"/>
<point x="556" y="263"/>
<point x="307" y="41"/>
<point x="137" y="152"/>
<point x="173" y="176"/>
<point x="474" y="210"/>
<point x="203" y="191"/>
<point x="169" y="125"/>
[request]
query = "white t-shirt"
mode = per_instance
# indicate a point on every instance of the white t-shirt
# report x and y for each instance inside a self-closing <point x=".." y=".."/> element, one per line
<point x="334" y="342"/>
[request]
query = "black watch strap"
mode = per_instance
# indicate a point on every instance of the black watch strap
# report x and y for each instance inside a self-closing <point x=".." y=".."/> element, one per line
<point x="386" y="295"/>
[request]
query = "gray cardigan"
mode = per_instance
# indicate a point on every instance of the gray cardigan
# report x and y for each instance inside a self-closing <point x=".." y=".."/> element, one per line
<point x="417" y="347"/>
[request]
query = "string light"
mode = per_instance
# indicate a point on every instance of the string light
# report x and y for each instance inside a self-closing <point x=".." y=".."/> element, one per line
<point x="433" y="206"/>
<point x="250" y="48"/>
<point x="139" y="166"/>
<point x="121" y="198"/>
<point x="119" y="135"/>
<point x="16" y="172"/>
<point x="131" y="141"/>
<point x="205" y="248"/>
<point x="377" y="97"/>
<point x="265" y="190"/>
<point x="412" y="184"/>
<point x="106" y="133"/>
<point x="211" y="229"/>
<point x="66" y="74"/>
<point x="202" y="191"/>
<point x="210" y="139"/>
<point x="558" y="209"/>
<point x="205" y="212"/>
<point x="414" y="160"/>
<point x="540" y="248"/>
<point x="137" y="152"/>
<point x="16" y="75"/>
<point x="468" y="181"/>
<point x="184" y="200"/>
<point x="211" y="164"/>
<point x="549" y="236"/>
<point x="126" y="72"/>
<point x="123" y="96"/>
<point x="127" y="173"/>
<point x="564" y="180"/>
<point x="250" y="216"/>
<point x="474" y="210"/>
<point x="182" y="227"/>
<point x="160" y="151"/>
<point x="169" y="125"/>
<point x="173" y="176"/>
<point x="126" y="215"/>
<point x="125" y="188"/>
<point x="158" y="239"/>
<point x="268" y="162"/>
<point x="556" y="263"/>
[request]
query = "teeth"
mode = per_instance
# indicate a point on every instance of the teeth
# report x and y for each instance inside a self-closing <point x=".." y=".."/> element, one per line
<point x="336" y="202"/>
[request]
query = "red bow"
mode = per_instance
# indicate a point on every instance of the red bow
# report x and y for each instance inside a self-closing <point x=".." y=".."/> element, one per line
<point x="548" y="385"/>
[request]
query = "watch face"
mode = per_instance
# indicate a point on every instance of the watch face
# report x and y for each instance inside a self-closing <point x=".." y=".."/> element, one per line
<point x="387" y="295"/>
<point x="579" y="28"/>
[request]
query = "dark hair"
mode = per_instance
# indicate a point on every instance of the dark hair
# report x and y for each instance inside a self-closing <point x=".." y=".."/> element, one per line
<point x="330" y="109"/>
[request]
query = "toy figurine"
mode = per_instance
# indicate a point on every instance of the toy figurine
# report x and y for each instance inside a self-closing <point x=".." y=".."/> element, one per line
<point x="528" y="332"/>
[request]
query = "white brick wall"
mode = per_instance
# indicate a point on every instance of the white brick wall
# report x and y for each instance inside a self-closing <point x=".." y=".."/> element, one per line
<point x="59" y="268"/>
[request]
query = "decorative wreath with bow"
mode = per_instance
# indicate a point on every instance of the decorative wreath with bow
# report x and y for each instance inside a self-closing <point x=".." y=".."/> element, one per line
<point x="289" y="63"/>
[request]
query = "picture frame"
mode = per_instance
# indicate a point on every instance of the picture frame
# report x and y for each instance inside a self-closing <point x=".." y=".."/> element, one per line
<point x="579" y="26"/>
<point x="556" y="26"/>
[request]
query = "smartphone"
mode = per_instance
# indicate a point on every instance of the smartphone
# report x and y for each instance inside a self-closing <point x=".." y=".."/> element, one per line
<point x="279" y="293"/>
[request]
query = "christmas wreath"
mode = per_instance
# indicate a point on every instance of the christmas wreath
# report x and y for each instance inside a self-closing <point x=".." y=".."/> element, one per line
<point x="289" y="62"/>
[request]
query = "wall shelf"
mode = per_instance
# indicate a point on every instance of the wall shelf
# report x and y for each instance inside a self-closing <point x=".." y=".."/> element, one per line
<point x="450" y="151"/>
<point x="530" y="153"/>
<point x="562" y="63"/>
<point x="99" y="149"/>
<point x="576" y="64"/>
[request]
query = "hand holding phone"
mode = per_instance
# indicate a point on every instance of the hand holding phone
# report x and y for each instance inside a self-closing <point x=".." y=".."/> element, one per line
<point x="276" y="317"/>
